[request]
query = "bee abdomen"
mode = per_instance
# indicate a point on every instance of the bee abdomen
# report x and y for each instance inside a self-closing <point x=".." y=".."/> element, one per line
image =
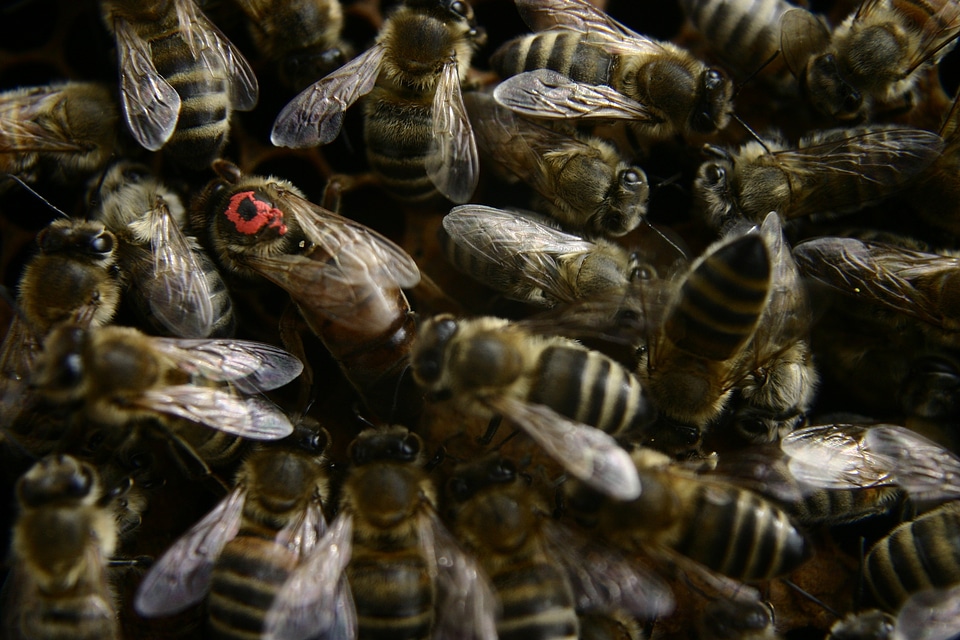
<point x="741" y="535"/>
<point x="224" y="320"/>
<point x="246" y="578"/>
<point x="393" y="595"/>
<point x="536" y="604"/>
<point x="917" y="555"/>
<point x="561" y="51"/>
<point x="838" y="506"/>
<point x="590" y="388"/>
<point x="398" y="135"/>
<point x="721" y="300"/>
<point x="80" y="617"/>
<point x="747" y="32"/>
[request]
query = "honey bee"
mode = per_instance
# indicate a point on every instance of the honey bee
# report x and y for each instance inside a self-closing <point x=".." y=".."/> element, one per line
<point x="743" y="33"/>
<point x="418" y="135"/>
<point x="58" y="132"/>
<point x="730" y="619"/>
<point x="542" y="572"/>
<point x="718" y="525"/>
<point x="180" y="77"/>
<point x="526" y="258"/>
<point x="567" y="398"/>
<point x="73" y="279"/>
<point x="693" y="360"/>
<point x="585" y="183"/>
<point x="174" y="280"/>
<point x="346" y="279"/>
<point x="118" y="374"/>
<point x="62" y="540"/>
<point x="254" y="539"/>
<point x="408" y="575"/>
<point x="905" y="282"/>
<point x="302" y="36"/>
<point x="585" y="64"/>
<point x="871" y="60"/>
<point x="837" y="171"/>
<point x="777" y="388"/>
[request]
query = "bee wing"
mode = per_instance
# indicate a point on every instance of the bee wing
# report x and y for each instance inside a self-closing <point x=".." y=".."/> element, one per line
<point x="605" y="579"/>
<point x="305" y="531"/>
<point x="19" y="130"/>
<point x="315" y="116"/>
<point x="877" y="272"/>
<point x="181" y="577"/>
<point x="544" y="93"/>
<point x="586" y="452"/>
<point x="315" y="600"/>
<point x="249" y="417"/>
<point x="178" y="291"/>
<point x="938" y="31"/>
<point x="931" y="614"/>
<point x="573" y="15"/>
<point x="452" y="162"/>
<point x="466" y="604"/>
<point x="834" y="456"/>
<point x="151" y="105"/>
<point x="518" y="245"/>
<point x="802" y="35"/>
<point x="921" y="467"/>
<point x="208" y="45"/>
<point x="248" y="365"/>
<point x="882" y="157"/>
<point x="18" y="352"/>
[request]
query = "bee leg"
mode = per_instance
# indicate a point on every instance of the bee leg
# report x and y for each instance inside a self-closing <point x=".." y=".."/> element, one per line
<point x="491" y="431"/>
<point x="341" y="183"/>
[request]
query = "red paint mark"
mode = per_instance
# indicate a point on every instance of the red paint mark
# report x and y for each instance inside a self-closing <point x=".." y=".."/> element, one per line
<point x="249" y="215"/>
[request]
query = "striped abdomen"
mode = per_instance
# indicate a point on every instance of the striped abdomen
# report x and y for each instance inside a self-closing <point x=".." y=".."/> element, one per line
<point x="563" y="51"/>
<point x="921" y="554"/>
<point x="393" y="593"/>
<point x="203" y="124"/>
<point x="82" y="616"/>
<point x="721" y="300"/>
<point x="591" y="388"/>
<point x="735" y="532"/>
<point x="246" y="579"/>
<point x="398" y="134"/>
<point x="745" y="33"/>
<point x="536" y="602"/>
<point x="838" y="506"/>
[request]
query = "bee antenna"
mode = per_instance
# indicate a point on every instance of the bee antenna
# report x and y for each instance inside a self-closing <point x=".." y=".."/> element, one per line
<point x="361" y="418"/>
<point x="40" y="197"/>
<point x="766" y="63"/>
<point x="951" y="117"/>
<point x="812" y="598"/>
<point x="680" y="252"/>
<point x="754" y="134"/>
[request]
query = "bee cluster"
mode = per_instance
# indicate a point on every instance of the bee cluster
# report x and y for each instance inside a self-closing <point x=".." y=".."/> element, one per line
<point x="569" y="349"/>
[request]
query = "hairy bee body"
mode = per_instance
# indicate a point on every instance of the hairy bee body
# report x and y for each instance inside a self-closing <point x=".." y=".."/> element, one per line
<point x="916" y="555"/>
<point x="743" y="33"/>
<point x="60" y="132"/>
<point x="180" y="78"/>
<point x="62" y="540"/>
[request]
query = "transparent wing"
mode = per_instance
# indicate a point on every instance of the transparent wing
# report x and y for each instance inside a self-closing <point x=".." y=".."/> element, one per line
<point x="19" y="130"/>
<point x="208" y="45"/>
<point x="466" y="607"/>
<point x="249" y="417"/>
<point x="18" y="352"/>
<point x="305" y="531"/>
<point x="249" y="366"/>
<point x="181" y="577"/>
<point x="886" y="274"/>
<point x="802" y="35"/>
<point x="315" y="116"/>
<point x="151" y="106"/>
<point x="178" y="291"/>
<point x="931" y="614"/>
<point x="544" y="93"/>
<point x="834" y="456"/>
<point x="519" y="245"/>
<point x="604" y="579"/>
<point x="452" y="162"/>
<point x="587" y="453"/>
<point x="574" y="15"/>
<point x="921" y="467"/>
<point x="313" y="600"/>
<point x="937" y="33"/>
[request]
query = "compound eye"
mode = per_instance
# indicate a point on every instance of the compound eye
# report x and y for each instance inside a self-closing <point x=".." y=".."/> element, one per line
<point x="459" y="8"/>
<point x="630" y="179"/>
<point x="716" y="174"/>
<point x="712" y="80"/>
<point x="103" y="243"/>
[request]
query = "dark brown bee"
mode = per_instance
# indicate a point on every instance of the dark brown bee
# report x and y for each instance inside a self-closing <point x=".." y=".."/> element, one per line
<point x="419" y="138"/>
<point x="345" y="278"/>
<point x="870" y="62"/>
<point x="584" y="64"/>
<point x="62" y="132"/>
<point x="180" y="77"/>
